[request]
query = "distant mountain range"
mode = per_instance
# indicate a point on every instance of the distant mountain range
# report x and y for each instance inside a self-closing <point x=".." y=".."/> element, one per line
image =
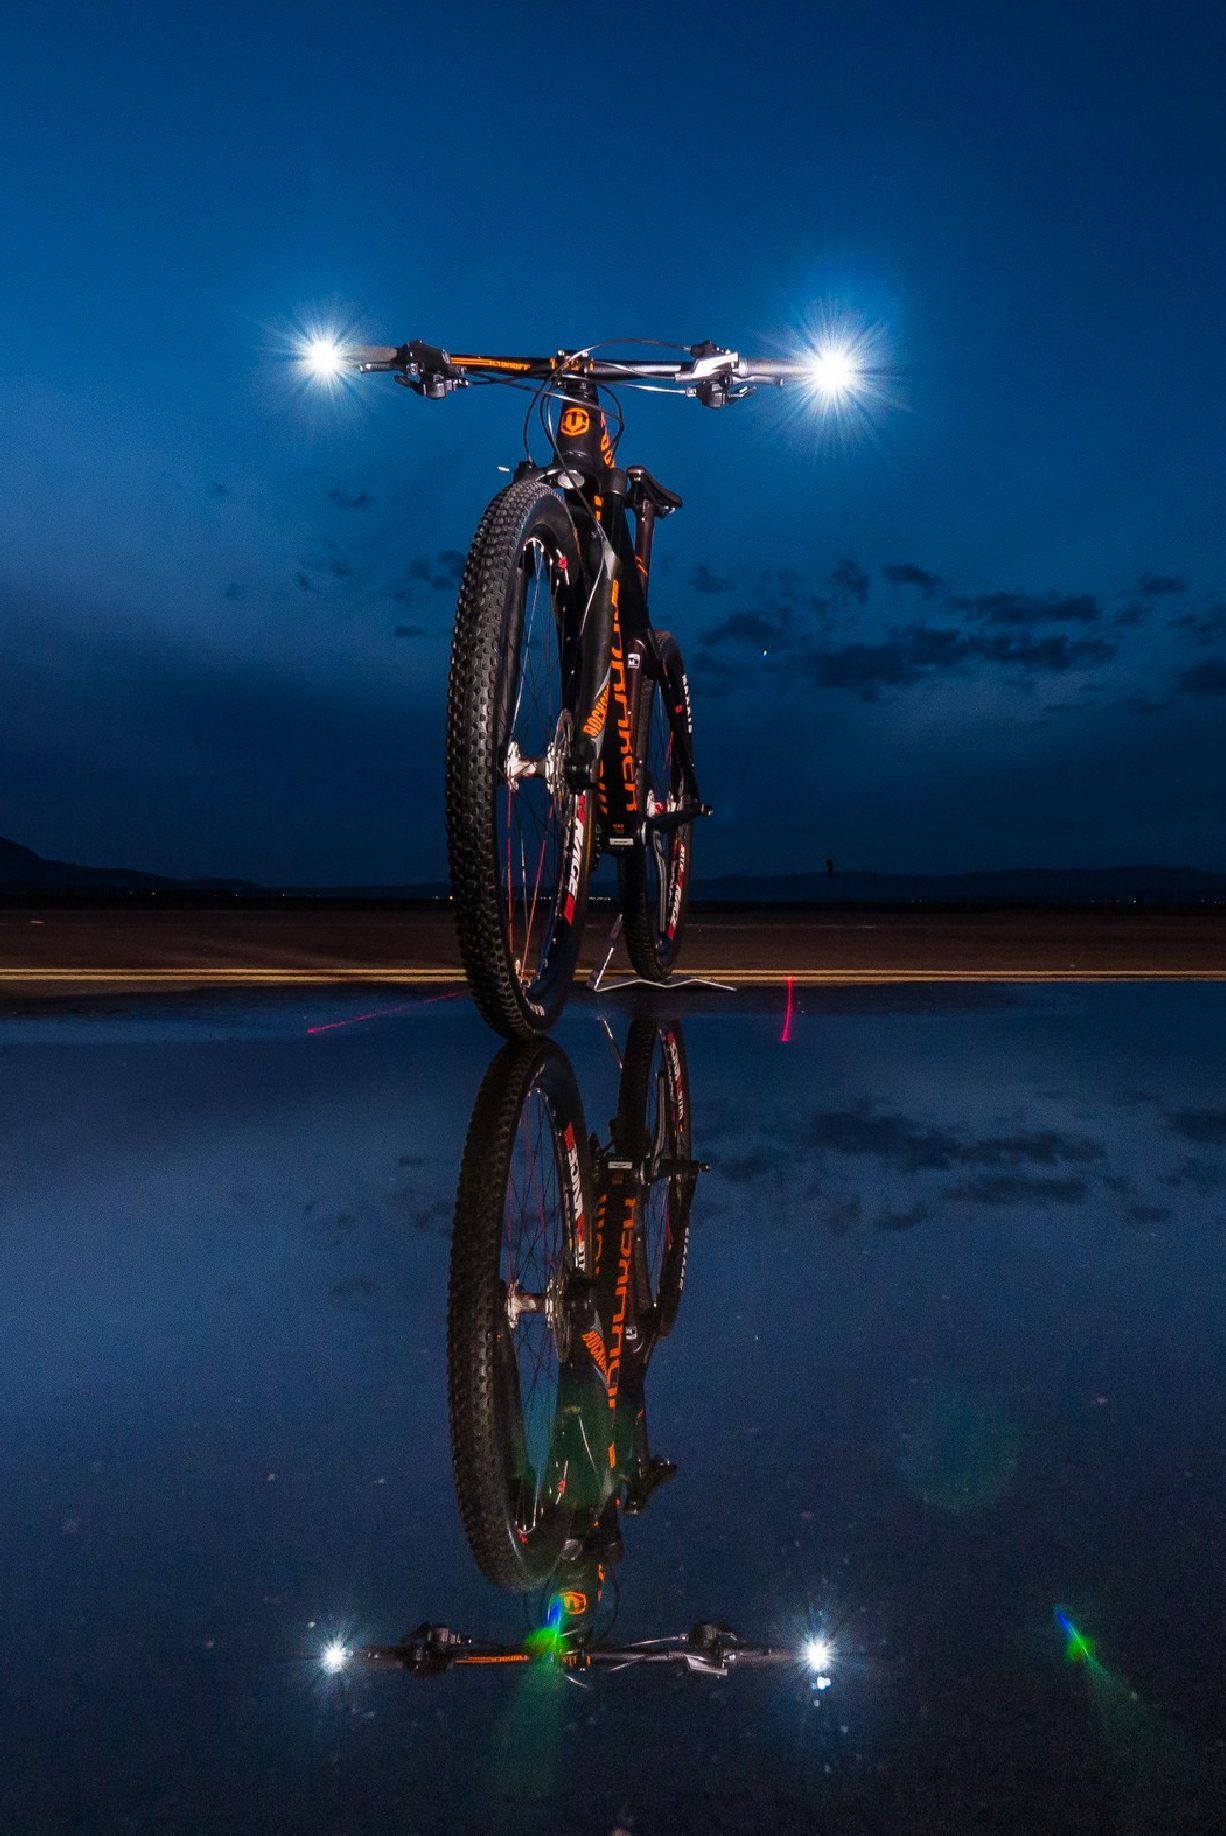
<point x="25" y="874"/>
<point x="22" y="871"/>
<point x="1150" y="885"/>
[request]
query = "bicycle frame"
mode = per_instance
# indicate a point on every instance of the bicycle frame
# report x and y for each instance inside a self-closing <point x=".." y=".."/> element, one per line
<point x="619" y="647"/>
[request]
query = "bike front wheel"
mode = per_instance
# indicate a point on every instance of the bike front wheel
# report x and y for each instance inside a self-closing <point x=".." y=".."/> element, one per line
<point x="654" y="875"/>
<point x="519" y="1239"/>
<point x="519" y="837"/>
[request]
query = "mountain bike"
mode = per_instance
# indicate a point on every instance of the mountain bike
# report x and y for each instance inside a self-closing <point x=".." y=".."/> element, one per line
<point x="569" y="717"/>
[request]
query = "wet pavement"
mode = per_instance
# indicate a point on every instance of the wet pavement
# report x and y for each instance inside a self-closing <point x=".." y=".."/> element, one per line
<point x="919" y="1289"/>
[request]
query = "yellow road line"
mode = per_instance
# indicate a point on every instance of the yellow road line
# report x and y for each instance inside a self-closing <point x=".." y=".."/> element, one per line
<point x="231" y="975"/>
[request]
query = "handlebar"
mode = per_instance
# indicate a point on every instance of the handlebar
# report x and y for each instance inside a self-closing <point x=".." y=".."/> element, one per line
<point x="429" y="1650"/>
<point x="709" y="372"/>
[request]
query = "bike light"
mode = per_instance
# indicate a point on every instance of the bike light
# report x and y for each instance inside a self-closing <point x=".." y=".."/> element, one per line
<point x="334" y="1657"/>
<point x="835" y="373"/>
<point x="323" y="358"/>
<point x="818" y="1655"/>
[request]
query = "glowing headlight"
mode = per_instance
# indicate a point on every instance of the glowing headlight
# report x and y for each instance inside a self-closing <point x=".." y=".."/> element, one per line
<point x="835" y="372"/>
<point x="323" y="358"/>
<point x="818" y="1655"/>
<point x="334" y="1657"/>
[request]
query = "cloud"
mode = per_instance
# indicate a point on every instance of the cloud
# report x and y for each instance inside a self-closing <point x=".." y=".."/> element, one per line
<point x="702" y="580"/>
<point x="1147" y="1214"/>
<point x="838" y="1216"/>
<point x="1019" y="1189"/>
<point x="441" y="573"/>
<point x="1023" y="609"/>
<point x="325" y="558"/>
<point x="1138" y="704"/>
<point x="1199" y="1125"/>
<point x="1058" y="652"/>
<point x="900" y="1143"/>
<point x="1204" y="627"/>
<point x="905" y="573"/>
<point x="1134" y="614"/>
<point x="909" y="654"/>
<point x="851" y="581"/>
<point x="1207" y="678"/>
<point x="350" y="500"/>
<point x="743" y="628"/>
<point x="1156" y="586"/>
<point x="1200" y="1175"/>
<point x="747" y="1169"/>
<point x="865" y="668"/>
<point x="901" y="1220"/>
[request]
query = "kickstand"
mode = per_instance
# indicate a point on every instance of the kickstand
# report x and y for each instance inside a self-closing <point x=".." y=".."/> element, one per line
<point x="597" y="976"/>
<point x="680" y="981"/>
<point x="598" y="985"/>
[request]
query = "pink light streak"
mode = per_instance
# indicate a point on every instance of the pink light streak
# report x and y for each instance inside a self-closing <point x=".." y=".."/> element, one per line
<point x="379" y="1013"/>
<point x="786" y="1034"/>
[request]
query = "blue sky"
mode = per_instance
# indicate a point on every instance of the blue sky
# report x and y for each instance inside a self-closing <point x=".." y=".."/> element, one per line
<point x="203" y="568"/>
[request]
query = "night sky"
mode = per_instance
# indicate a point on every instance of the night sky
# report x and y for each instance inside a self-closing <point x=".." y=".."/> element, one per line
<point x="983" y="626"/>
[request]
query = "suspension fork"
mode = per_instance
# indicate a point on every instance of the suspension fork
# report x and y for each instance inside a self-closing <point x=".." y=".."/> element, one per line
<point x="652" y="665"/>
<point x="595" y="638"/>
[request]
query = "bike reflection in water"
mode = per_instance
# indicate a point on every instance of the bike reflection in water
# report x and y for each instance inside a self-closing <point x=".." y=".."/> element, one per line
<point x="567" y="1264"/>
<point x="566" y="1271"/>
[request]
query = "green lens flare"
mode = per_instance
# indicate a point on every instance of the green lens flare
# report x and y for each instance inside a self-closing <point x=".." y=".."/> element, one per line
<point x="1078" y="1649"/>
<point x="548" y="1642"/>
<point x="545" y="1643"/>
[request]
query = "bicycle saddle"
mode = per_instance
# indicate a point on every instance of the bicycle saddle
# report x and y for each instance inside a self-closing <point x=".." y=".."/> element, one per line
<point x="643" y="1484"/>
<point x="649" y="490"/>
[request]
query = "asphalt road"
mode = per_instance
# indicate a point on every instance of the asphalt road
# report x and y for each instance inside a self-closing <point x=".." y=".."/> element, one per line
<point x="45" y="953"/>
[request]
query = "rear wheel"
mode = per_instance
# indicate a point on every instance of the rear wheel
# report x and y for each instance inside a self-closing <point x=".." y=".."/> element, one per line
<point x="519" y="838"/>
<point x="654" y="875"/>
<point x="653" y="1126"/>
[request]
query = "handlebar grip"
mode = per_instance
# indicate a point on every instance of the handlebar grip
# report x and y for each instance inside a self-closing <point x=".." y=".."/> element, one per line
<point x="374" y="356"/>
<point x="772" y="369"/>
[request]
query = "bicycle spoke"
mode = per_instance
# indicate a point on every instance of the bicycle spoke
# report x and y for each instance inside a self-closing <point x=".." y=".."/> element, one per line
<point x="533" y="1247"/>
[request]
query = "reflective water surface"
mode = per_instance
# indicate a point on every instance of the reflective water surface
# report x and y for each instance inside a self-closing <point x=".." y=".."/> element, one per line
<point x="896" y="1347"/>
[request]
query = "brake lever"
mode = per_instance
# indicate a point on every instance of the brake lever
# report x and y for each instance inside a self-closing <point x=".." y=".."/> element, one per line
<point x="718" y="391"/>
<point x="427" y="370"/>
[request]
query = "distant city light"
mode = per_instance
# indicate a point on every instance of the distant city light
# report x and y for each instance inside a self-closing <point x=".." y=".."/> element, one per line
<point x="334" y="1657"/>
